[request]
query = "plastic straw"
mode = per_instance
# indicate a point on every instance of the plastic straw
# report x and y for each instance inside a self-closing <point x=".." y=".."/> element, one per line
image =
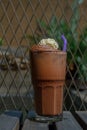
<point x="65" y="43"/>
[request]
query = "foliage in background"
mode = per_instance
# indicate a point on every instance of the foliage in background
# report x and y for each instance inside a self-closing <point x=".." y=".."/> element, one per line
<point x="76" y="51"/>
<point x="82" y="54"/>
<point x="1" y="41"/>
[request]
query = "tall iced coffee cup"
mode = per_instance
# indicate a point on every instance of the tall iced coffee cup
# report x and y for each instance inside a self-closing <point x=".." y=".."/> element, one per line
<point x="48" y="68"/>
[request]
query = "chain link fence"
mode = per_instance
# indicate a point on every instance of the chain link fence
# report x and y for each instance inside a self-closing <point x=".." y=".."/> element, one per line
<point x="24" y="22"/>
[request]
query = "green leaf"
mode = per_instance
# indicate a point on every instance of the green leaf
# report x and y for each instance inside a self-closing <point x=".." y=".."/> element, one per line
<point x="74" y="21"/>
<point x="53" y="22"/>
<point x="75" y="4"/>
<point x="42" y="24"/>
<point x="80" y="1"/>
<point x="1" y="41"/>
<point x="79" y="59"/>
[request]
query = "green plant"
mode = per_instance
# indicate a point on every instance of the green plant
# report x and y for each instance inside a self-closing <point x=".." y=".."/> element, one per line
<point x="82" y="55"/>
<point x="76" y="44"/>
<point x="1" y="41"/>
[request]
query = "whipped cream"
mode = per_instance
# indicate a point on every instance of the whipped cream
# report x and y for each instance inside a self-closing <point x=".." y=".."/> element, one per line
<point x="49" y="42"/>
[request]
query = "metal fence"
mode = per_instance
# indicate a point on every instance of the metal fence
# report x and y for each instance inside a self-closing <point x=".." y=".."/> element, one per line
<point x="23" y="22"/>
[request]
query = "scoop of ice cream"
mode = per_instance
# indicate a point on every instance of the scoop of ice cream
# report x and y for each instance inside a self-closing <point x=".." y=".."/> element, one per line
<point x="49" y="42"/>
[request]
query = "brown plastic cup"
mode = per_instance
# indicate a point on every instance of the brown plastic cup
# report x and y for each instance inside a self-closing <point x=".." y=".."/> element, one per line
<point x="48" y="68"/>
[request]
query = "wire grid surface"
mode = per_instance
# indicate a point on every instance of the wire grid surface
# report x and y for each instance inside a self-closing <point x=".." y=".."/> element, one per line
<point x="17" y="19"/>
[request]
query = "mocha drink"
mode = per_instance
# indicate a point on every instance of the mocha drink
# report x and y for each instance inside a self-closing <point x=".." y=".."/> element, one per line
<point x="48" y="68"/>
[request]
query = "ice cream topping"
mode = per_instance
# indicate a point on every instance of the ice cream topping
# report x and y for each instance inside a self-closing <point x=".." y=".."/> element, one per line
<point x="50" y="42"/>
